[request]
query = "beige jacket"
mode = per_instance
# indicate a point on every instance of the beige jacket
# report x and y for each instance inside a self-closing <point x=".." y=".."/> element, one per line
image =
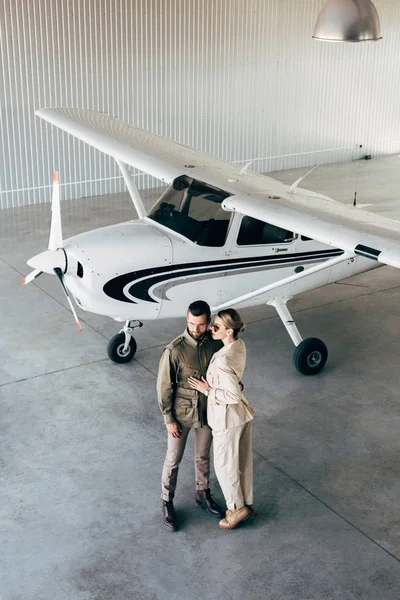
<point x="227" y="407"/>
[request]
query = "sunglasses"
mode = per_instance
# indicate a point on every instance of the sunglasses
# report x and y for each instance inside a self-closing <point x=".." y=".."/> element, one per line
<point x="215" y="327"/>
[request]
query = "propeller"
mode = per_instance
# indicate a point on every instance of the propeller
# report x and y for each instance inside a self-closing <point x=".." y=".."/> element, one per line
<point x="31" y="276"/>
<point x="60" y="277"/>
<point x="54" y="259"/>
<point x="55" y="239"/>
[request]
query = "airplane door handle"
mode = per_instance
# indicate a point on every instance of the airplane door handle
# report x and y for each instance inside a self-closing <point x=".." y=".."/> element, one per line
<point x="280" y="250"/>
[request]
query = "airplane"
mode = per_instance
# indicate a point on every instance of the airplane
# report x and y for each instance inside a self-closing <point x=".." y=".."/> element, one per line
<point x="231" y="237"/>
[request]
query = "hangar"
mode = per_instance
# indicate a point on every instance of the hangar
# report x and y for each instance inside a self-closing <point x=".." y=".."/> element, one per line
<point x="82" y="438"/>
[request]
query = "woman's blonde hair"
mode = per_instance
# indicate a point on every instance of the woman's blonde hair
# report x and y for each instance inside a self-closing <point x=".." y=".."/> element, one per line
<point x="232" y="320"/>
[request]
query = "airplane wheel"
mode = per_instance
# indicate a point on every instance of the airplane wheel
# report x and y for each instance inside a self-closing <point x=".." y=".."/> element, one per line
<point x="310" y="356"/>
<point x="116" y="346"/>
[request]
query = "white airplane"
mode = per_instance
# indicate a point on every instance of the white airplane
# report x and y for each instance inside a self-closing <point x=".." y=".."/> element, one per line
<point x="230" y="237"/>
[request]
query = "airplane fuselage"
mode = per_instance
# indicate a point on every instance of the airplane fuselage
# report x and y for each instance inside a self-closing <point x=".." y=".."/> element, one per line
<point x="141" y="270"/>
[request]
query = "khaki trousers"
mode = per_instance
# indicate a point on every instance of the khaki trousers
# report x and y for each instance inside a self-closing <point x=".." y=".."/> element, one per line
<point x="233" y="464"/>
<point x="175" y="450"/>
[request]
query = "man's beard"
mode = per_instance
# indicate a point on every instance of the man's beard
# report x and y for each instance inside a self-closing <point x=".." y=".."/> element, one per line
<point x="198" y="336"/>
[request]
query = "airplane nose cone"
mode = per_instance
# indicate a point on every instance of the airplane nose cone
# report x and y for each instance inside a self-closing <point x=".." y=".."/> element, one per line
<point x="48" y="260"/>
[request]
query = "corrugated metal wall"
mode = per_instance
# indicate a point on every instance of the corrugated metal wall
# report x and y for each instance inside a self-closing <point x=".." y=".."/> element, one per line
<point x="241" y="79"/>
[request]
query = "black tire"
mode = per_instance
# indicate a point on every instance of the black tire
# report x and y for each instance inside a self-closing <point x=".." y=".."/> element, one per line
<point x="115" y="347"/>
<point x="310" y="356"/>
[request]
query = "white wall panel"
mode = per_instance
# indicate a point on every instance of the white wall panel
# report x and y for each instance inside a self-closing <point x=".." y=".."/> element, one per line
<point x="241" y="79"/>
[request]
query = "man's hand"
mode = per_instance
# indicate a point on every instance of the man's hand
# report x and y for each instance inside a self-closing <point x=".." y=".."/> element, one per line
<point x="174" y="429"/>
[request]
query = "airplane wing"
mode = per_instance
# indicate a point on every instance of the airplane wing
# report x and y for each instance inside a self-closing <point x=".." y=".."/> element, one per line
<point x="390" y="208"/>
<point x="158" y="156"/>
<point x="302" y="211"/>
<point x="370" y="235"/>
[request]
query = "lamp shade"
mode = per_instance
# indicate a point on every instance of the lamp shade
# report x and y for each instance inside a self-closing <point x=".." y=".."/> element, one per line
<point x="348" y="21"/>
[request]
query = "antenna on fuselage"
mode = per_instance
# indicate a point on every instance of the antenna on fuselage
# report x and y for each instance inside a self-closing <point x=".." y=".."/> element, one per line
<point x="355" y="192"/>
<point x="294" y="185"/>
<point x="244" y="169"/>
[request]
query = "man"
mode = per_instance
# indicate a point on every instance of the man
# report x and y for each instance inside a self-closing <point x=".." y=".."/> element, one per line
<point x="184" y="408"/>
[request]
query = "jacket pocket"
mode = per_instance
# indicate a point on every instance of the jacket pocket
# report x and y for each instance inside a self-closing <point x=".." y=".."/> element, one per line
<point x="185" y="410"/>
<point x="217" y="414"/>
<point x="185" y="371"/>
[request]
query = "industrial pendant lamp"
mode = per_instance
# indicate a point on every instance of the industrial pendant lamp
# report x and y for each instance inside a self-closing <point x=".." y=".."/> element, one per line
<point x="348" y="21"/>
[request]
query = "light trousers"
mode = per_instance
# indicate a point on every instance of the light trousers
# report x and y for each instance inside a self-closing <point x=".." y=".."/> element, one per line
<point x="233" y="464"/>
<point x="175" y="450"/>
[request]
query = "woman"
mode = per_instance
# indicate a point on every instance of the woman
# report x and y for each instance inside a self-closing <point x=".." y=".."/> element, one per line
<point x="229" y="415"/>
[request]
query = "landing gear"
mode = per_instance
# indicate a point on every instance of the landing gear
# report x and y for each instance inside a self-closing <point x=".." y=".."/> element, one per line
<point x="311" y="354"/>
<point x="122" y="347"/>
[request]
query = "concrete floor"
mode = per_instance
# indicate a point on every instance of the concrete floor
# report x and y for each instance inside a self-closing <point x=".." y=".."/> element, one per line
<point x="82" y="441"/>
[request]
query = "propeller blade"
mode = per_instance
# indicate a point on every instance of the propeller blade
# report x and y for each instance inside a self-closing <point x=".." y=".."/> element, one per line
<point x="60" y="277"/>
<point x="55" y="239"/>
<point x="31" y="276"/>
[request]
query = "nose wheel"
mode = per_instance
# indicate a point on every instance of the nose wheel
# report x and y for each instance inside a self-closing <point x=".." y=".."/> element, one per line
<point x="122" y="347"/>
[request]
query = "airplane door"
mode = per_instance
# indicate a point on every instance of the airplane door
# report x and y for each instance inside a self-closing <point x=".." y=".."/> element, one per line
<point x="256" y="258"/>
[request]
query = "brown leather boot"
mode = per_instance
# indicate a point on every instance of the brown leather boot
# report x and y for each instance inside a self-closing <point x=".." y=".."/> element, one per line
<point x="252" y="511"/>
<point x="205" y="500"/>
<point x="169" y="515"/>
<point x="234" y="517"/>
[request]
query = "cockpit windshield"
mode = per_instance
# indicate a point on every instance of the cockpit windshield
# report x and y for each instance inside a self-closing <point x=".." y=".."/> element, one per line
<point x="193" y="209"/>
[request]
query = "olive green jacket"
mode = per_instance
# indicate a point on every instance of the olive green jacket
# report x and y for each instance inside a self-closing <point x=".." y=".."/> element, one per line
<point x="184" y="357"/>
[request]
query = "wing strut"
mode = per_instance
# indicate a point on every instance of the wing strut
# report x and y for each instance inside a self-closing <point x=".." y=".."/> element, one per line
<point x="132" y="189"/>
<point x="267" y="288"/>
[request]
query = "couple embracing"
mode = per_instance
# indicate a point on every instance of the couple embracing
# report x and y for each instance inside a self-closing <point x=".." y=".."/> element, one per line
<point x="199" y="386"/>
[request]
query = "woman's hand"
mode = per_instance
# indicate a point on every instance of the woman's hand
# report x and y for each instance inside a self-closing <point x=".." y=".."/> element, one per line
<point x="199" y="384"/>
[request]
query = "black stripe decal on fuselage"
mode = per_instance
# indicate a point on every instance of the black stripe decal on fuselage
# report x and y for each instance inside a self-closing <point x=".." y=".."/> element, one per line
<point x="145" y="279"/>
<point x="367" y="252"/>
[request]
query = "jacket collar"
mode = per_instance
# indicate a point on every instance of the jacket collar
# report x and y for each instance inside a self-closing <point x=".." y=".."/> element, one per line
<point x="236" y="345"/>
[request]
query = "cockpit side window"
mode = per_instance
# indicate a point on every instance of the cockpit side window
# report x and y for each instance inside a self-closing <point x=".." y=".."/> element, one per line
<point x="193" y="209"/>
<point x="253" y="232"/>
